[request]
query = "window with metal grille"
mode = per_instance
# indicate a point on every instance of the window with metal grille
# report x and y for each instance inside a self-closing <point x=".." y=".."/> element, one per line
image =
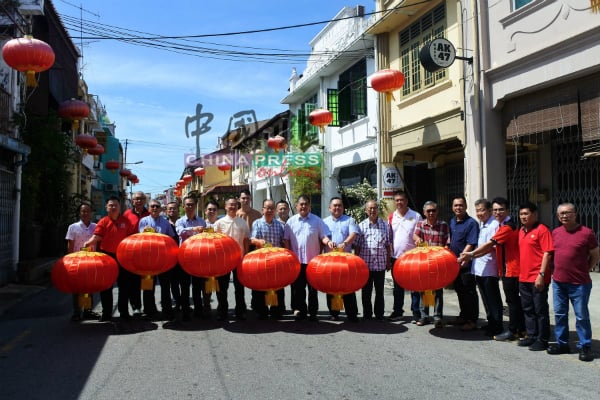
<point x="352" y="93"/>
<point x="412" y="39"/>
<point x="333" y="106"/>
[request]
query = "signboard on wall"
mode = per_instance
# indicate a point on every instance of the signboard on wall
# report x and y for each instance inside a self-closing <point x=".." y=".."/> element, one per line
<point x="391" y="180"/>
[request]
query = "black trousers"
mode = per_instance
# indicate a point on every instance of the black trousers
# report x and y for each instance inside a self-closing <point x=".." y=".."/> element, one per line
<point x="350" y="305"/>
<point x="376" y="280"/>
<point x="240" y="300"/>
<point x="466" y="291"/>
<point x="258" y="303"/>
<point x="535" y="309"/>
<point x="299" y="295"/>
<point x="398" y="293"/>
<point x="129" y="291"/>
<point x="516" y="319"/>
<point x="167" y="281"/>
<point x="489" y="288"/>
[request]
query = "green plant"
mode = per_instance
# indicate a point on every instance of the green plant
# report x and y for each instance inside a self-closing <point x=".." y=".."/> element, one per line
<point x="305" y="180"/>
<point x="356" y="196"/>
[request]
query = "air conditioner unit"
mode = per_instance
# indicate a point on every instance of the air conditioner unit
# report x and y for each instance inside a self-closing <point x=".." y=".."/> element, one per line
<point x="110" y="187"/>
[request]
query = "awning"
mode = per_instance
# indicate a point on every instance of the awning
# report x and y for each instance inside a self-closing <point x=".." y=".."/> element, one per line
<point x="226" y="189"/>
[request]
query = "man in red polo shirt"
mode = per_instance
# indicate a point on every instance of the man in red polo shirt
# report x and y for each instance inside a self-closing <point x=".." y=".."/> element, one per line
<point x="109" y="232"/>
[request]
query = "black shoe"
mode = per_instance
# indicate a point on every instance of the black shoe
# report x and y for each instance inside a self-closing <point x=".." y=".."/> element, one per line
<point x="526" y="342"/>
<point x="395" y="316"/>
<point x="313" y="318"/>
<point x="108" y="318"/>
<point x="506" y="336"/>
<point x="556" y="348"/>
<point x="538" y="345"/>
<point x="585" y="354"/>
<point x="89" y="314"/>
<point x="240" y="317"/>
<point x="300" y="317"/>
<point x="334" y="318"/>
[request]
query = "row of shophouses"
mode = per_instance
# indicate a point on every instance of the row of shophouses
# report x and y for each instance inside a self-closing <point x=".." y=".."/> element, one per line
<point x="43" y="174"/>
<point x="516" y="114"/>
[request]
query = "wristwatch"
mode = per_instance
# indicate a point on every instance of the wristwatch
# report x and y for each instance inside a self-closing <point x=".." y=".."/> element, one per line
<point x="543" y="274"/>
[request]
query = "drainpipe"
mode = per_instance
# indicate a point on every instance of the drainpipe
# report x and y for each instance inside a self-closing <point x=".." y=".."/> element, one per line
<point x="478" y="117"/>
<point x="20" y="161"/>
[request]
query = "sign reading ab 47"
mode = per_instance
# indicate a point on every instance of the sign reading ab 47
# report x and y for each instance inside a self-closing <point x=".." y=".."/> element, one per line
<point x="298" y="160"/>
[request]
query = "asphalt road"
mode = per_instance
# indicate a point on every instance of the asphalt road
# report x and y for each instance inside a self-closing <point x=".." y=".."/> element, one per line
<point x="45" y="356"/>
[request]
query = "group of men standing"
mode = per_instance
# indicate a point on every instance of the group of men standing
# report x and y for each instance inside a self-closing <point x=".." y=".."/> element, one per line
<point x="488" y="250"/>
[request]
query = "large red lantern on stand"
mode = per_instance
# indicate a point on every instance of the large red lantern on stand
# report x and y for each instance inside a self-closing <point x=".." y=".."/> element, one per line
<point x="84" y="272"/>
<point x="425" y="269"/>
<point x="386" y="81"/>
<point x="147" y="254"/>
<point x="269" y="269"/>
<point x="75" y="110"/>
<point x="320" y="118"/>
<point x="28" y="55"/>
<point x="209" y="255"/>
<point x="112" y="165"/>
<point x="86" y="142"/>
<point x="337" y="273"/>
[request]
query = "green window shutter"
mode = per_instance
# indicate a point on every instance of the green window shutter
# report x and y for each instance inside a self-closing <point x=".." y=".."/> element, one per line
<point x="332" y="105"/>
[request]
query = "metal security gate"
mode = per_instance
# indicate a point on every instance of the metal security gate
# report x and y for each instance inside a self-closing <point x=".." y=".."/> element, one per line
<point x="7" y="187"/>
<point x="521" y="179"/>
<point x="576" y="180"/>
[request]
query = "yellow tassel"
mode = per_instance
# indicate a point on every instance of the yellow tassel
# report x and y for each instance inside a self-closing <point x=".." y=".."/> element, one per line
<point x="211" y="285"/>
<point x="595" y="6"/>
<point x="147" y="282"/>
<point x="85" y="301"/>
<point x="389" y="96"/>
<point x="337" y="302"/>
<point x="322" y="128"/>
<point x="271" y="298"/>
<point x="30" y="80"/>
<point x="428" y="298"/>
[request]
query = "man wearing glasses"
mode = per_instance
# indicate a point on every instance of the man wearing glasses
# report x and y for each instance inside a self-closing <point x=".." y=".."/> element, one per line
<point x="575" y="254"/>
<point x="433" y="232"/>
<point x="160" y="224"/>
<point x="211" y="213"/>
<point x="189" y="225"/>
<point x="134" y="214"/>
<point x="267" y="231"/>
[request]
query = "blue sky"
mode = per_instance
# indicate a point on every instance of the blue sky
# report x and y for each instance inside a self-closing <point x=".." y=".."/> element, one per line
<point x="148" y="92"/>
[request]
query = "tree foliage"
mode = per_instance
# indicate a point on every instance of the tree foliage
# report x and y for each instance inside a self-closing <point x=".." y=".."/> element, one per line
<point x="356" y="196"/>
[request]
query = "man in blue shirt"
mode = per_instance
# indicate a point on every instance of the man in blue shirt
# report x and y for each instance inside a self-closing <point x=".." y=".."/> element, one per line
<point x="464" y="233"/>
<point x="304" y="234"/>
<point x="343" y="232"/>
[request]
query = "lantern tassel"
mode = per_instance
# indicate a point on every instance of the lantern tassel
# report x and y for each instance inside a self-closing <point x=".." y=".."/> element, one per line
<point x="337" y="302"/>
<point x="30" y="80"/>
<point x="211" y="285"/>
<point x="322" y="128"/>
<point x="428" y="298"/>
<point x="85" y="301"/>
<point x="389" y="96"/>
<point x="147" y="282"/>
<point x="595" y="6"/>
<point x="271" y="298"/>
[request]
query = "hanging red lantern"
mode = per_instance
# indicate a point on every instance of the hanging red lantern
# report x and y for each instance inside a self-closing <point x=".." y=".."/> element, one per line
<point x="131" y="176"/>
<point x="75" y="110"/>
<point x="277" y="142"/>
<point x="426" y="268"/>
<point x="337" y="273"/>
<point x="386" y="81"/>
<point x="209" y="255"/>
<point x="181" y="183"/>
<point x="112" y="165"/>
<point x="28" y="55"/>
<point x="124" y="172"/>
<point x="224" y="167"/>
<point x="135" y="180"/>
<point x="86" y="142"/>
<point x="187" y="178"/>
<point x="199" y="171"/>
<point x="320" y="118"/>
<point x="96" y="151"/>
<point x="269" y="269"/>
<point x="84" y="272"/>
<point x="147" y="254"/>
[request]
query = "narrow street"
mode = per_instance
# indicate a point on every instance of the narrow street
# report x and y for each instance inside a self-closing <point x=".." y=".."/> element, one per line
<point x="45" y="356"/>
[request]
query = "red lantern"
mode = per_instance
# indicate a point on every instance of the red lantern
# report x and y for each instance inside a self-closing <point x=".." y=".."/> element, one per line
<point x="386" y="81"/>
<point x="124" y="172"/>
<point x="86" y="142"/>
<point x="131" y="176"/>
<point x="96" y="150"/>
<point x="135" y="180"/>
<point x="75" y="110"/>
<point x="426" y="268"/>
<point x="224" y="167"/>
<point x="199" y="171"/>
<point x="269" y="269"/>
<point x="337" y="273"/>
<point x="277" y="142"/>
<point x="320" y="118"/>
<point x="28" y="55"/>
<point x="84" y="272"/>
<point x="112" y="165"/>
<point x="147" y="254"/>
<point x="209" y="255"/>
<point x="187" y="178"/>
<point x="181" y="183"/>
